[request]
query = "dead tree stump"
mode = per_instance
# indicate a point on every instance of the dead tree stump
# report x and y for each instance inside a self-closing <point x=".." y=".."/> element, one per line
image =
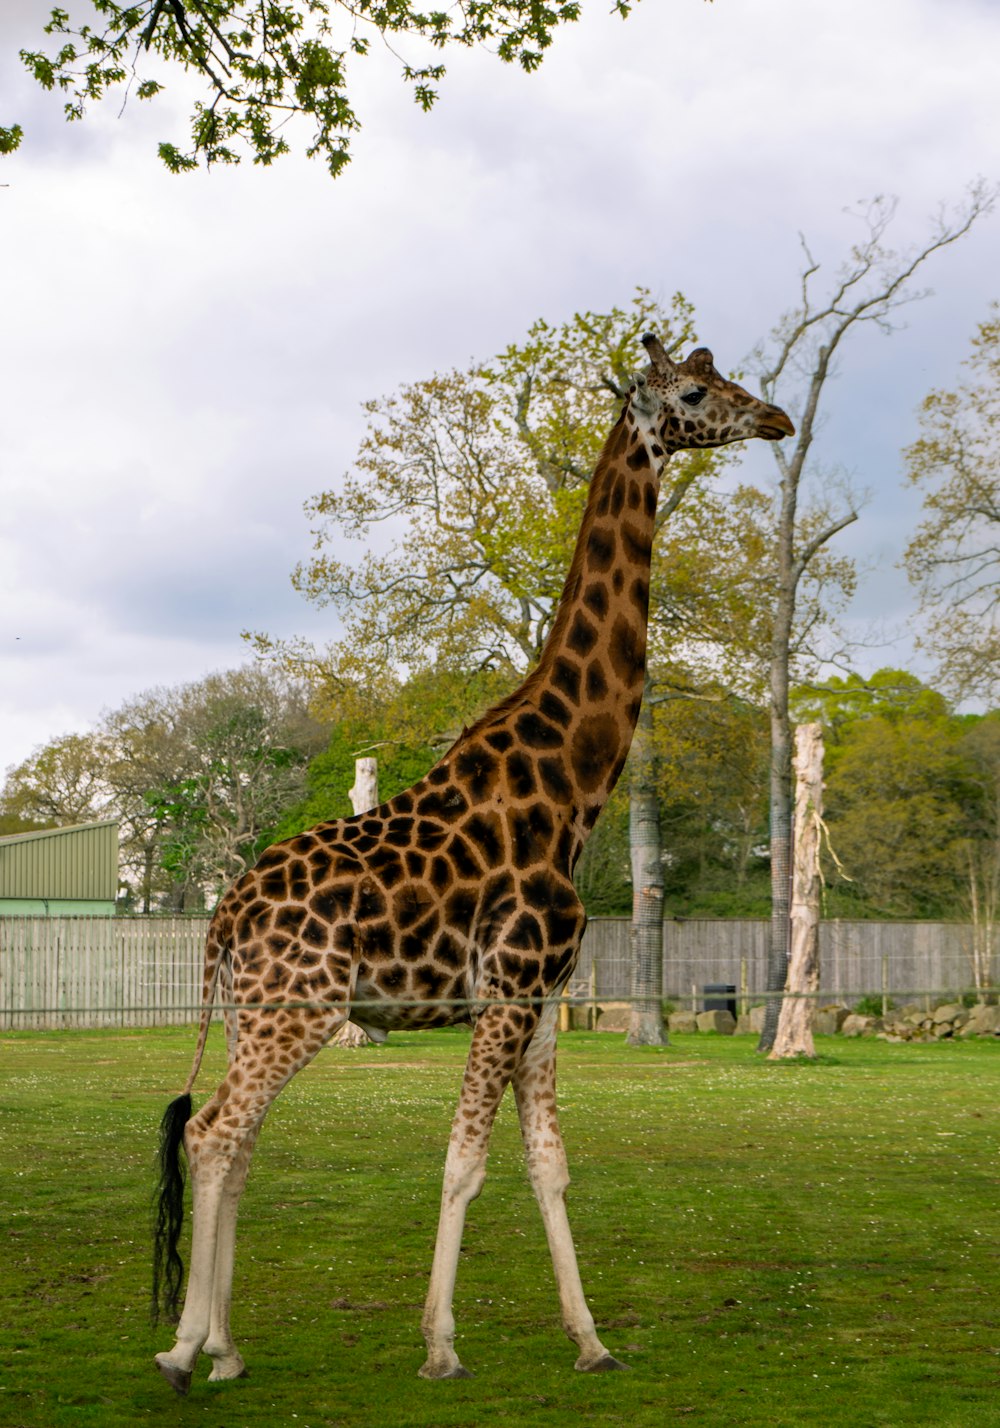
<point x="794" y="1035"/>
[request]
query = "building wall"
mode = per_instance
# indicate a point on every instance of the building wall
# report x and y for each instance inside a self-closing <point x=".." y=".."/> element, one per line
<point x="56" y="907"/>
<point x="60" y="871"/>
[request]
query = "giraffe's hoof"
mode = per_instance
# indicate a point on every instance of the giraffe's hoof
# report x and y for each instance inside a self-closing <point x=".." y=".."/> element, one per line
<point x="178" y="1379"/>
<point x="455" y="1370"/>
<point x="605" y="1364"/>
<point x="232" y="1368"/>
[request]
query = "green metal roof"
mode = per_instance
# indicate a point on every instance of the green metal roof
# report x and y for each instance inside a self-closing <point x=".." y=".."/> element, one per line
<point x="79" y="862"/>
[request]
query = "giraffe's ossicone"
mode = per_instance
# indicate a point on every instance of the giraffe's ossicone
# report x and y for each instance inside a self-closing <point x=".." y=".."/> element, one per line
<point x="452" y="902"/>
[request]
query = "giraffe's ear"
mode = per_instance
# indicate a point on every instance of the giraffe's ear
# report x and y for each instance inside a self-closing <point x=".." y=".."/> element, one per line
<point x="657" y="353"/>
<point x="644" y="399"/>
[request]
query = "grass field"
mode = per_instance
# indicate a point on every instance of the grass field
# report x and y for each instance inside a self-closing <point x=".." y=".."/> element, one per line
<point x="763" y="1243"/>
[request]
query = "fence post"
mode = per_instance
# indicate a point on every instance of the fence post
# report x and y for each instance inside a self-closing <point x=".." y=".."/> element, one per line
<point x="744" y="987"/>
<point x="885" y="984"/>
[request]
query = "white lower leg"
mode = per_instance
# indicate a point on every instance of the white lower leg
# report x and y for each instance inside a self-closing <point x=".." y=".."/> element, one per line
<point x="549" y="1180"/>
<point x="534" y="1088"/>
<point x="227" y="1362"/>
<point x="463" y="1180"/>
<point x="192" y="1331"/>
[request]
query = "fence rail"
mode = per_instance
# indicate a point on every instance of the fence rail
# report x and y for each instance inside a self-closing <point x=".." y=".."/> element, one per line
<point x="130" y="971"/>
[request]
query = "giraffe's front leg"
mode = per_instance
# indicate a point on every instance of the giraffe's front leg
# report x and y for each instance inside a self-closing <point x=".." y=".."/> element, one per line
<point x="487" y="1072"/>
<point x="535" y="1092"/>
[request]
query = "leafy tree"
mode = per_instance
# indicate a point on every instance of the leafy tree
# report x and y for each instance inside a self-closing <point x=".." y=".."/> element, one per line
<point x="194" y="775"/>
<point x="954" y="557"/>
<point x="713" y="795"/>
<point x="841" y="702"/>
<point x="248" y="737"/>
<point x="896" y="807"/>
<point x="869" y="288"/>
<point x="61" y="784"/>
<point x="913" y="798"/>
<point x="487" y="472"/>
<point x="262" y="64"/>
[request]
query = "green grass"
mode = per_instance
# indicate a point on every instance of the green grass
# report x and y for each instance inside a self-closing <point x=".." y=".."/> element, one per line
<point x="770" y="1244"/>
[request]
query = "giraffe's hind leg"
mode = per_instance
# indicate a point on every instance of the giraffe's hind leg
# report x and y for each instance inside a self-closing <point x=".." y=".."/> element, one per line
<point x="226" y="1360"/>
<point x="535" y="1093"/>
<point x="219" y="1142"/>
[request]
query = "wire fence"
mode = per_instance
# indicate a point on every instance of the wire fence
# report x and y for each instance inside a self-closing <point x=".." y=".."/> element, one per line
<point x="134" y="972"/>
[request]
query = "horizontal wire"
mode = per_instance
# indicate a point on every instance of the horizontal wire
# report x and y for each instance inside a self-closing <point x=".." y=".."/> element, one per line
<point x="481" y="1004"/>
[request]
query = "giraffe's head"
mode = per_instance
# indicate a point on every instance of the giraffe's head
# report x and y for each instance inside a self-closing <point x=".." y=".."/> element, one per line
<point x="689" y="404"/>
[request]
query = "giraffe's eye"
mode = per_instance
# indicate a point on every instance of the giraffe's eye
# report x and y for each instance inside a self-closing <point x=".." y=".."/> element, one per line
<point x="695" y="398"/>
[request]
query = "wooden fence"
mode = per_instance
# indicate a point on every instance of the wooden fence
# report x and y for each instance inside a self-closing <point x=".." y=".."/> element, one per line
<point x="132" y="971"/>
<point x="901" y="959"/>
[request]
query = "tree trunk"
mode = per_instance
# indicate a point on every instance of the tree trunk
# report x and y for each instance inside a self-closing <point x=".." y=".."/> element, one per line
<point x="646" y="1019"/>
<point x="781" y="756"/>
<point x="794" y="1033"/>
<point x="781" y="846"/>
<point x="363" y="796"/>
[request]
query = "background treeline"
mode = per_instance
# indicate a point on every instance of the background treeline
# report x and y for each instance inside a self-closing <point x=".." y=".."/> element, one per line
<point x="204" y="776"/>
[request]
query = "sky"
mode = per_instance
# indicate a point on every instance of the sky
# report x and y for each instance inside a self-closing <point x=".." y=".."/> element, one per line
<point x="184" y="358"/>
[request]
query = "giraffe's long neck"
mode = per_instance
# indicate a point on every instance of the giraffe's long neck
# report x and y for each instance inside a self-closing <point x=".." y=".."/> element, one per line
<point x="590" y="676"/>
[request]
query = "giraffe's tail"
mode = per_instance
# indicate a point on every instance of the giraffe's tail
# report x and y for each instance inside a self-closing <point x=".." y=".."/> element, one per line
<point x="168" y="1205"/>
<point x="168" y="1217"/>
<point x="218" y="967"/>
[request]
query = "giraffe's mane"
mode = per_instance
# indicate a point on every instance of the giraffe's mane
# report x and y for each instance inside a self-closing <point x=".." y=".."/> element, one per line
<point x="527" y="687"/>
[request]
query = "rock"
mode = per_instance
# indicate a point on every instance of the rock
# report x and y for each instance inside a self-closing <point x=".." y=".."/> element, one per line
<point x="614" y="1016"/>
<point x="855" y="1025"/>
<point x="757" y="1019"/>
<point x="743" y="1024"/>
<point x="682" y="1021"/>
<point x="722" y="1022"/>
<point x="983" y="1021"/>
<point x="826" y="1022"/>
<point x="946" y="1013"/>
<point x="837" y="1010"/>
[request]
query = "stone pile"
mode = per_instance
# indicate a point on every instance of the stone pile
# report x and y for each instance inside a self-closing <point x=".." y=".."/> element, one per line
<point x="911" y="1023"/>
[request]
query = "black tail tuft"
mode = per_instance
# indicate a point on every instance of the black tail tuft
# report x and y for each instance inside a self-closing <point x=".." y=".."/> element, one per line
<point x="168" y="1213"/>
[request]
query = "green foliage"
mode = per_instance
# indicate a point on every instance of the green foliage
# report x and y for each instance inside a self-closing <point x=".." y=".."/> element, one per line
<point x="712" y="761"/>
<point x="872" y="1005"/>
<point x="331" y="775"/>
<point x="839" y="704"/>
<point x="10" y="139"/>
<point x="603" y="875"/>
<point x="912" y="798"/>
<point x="262" y="64"/>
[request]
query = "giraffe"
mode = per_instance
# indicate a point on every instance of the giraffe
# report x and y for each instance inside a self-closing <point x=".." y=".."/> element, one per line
<point x="451" y="902"/>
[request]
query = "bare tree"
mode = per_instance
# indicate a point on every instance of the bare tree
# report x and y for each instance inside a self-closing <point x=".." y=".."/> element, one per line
<point x="954" y="556"/>
<point x="871" y="286"/>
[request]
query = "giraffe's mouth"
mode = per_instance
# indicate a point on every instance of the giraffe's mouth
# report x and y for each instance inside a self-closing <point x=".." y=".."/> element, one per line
<point x="775" y="425"/>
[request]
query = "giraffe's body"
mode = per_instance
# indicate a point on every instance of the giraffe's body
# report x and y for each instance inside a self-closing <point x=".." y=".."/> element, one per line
<point x="451" y="902"/>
